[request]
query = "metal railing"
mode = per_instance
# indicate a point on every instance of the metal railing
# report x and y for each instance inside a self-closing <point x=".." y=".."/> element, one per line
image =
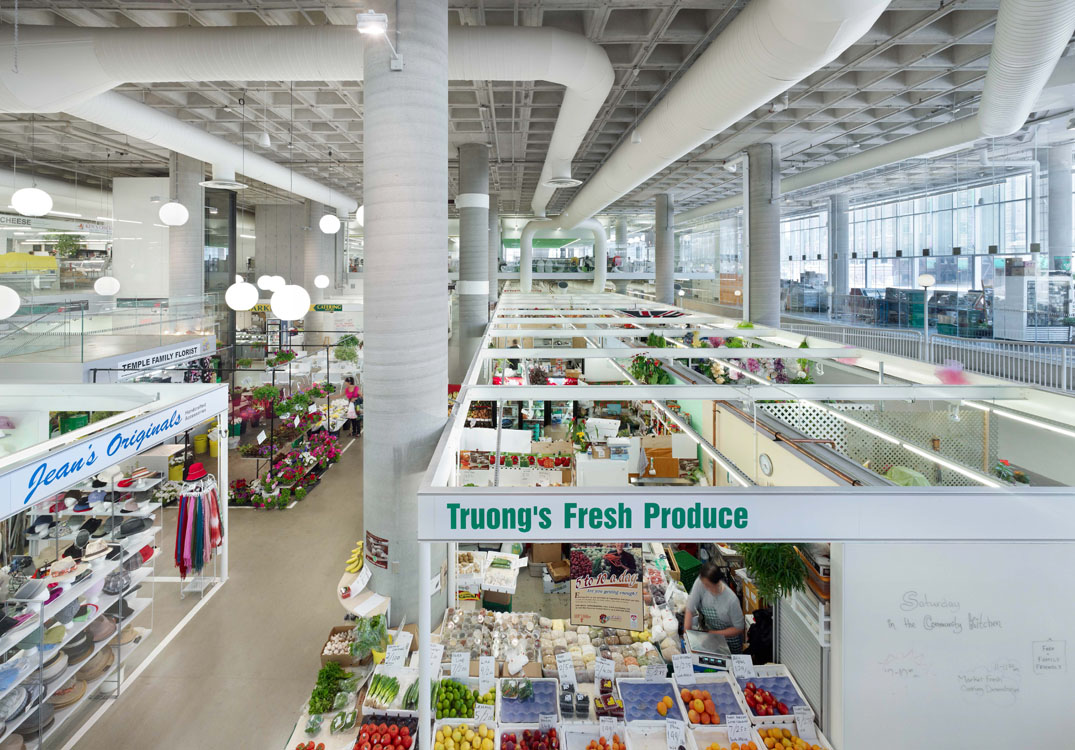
<point x="901" y="343"/>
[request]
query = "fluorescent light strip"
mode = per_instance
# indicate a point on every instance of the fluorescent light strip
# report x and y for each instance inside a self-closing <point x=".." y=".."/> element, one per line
<point x="930" y="456"/>
<point x="1021" y="418"/>
<point x="66" y="213"/>
<point x="248" y="236"/>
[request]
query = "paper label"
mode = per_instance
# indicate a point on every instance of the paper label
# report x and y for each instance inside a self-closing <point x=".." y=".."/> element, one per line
<point x="403" y="638"/>
<point x="683" y="667"/>
<point x="460" y="665"/>
<point x="362" y="580"/>
<point x="674" y="734"/>
<point x="483" y="713"/>
<point x="436" y="654"/>
<point x="395" y="656"/>
<point x="486" y="673"/>
<point x="608" y="728"/>
<point x="566" y="668"/>
<point x="738" y="726"/>
<point x="603" y="669"/>
<point x="656" y="672"/>
<point x="546" y="722"/>
<point x="804" y="723"/>
<point x="311" y="408"/>
<point x="261" y="437"/>
<point x="743" y="666"/>
<point x="296" y="422"/>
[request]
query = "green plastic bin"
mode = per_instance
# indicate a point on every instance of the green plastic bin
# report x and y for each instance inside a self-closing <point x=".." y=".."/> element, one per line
<point x="689" y="565"/>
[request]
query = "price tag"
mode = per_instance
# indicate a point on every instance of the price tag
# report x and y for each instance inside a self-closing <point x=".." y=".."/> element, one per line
<point x="656" y="672"/>
<point x="395" y="656"/>
<point x="674" y="734"/>
<point x="460" y="665"/>
<point x="546" y="722"/>
<point x="743" y="666"/>
<point x="311" y="409"/>
<point x="566" y="669"/>
<point x="683" y="667"/>
<point x="436" y="654"/>
<point x="603" y="669"/>
<point x="486" y="673"/>
<point x="362" y="580"/>
<point x="608" y="728"/>
<point x="804" y="723"/>
<point x="483" y="713"/>
<point x="261" y="437"/>
<point x="738" y="726"/>
<point x="296" y="422"/>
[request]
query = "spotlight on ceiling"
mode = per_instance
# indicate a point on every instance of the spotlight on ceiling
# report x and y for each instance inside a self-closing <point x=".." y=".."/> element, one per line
<point x="372" y="23"/>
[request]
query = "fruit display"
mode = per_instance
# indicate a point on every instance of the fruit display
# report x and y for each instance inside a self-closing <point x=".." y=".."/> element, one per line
<point x="469" y="563"/>
<point x="732" y="746"/>
<point x="453" y="700"/>
<point x="602" y="744"/>
<point x="465" y="737"/>
<point x="630" y="655"/>
<point x="310" y="746"/>
<point x="648" y="701"/>
<point x="523" y="701"/>
<point x="776" y="738"/>
<point x="700" y="706"/>
<point x="530" y="739"/>
<point x="774" y="696"/>
<point x="397" y="735"/>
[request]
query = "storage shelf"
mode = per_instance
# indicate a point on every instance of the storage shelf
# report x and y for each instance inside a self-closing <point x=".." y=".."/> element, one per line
<point x="106" y="509"/>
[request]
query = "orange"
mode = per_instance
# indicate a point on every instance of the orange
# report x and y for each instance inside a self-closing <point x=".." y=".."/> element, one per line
<point x="685" y="695"/>
<point x="710" y="706"/>
<point x="770" y="743"/>
<point x="697" y="705"/>
<point x="692" y="716"/>
<point x="787" y="733"/>
<point x="662" y="709"/>
<point x="696" y="693"/>
<point x="705" y="719"/>
<point x="668" y="701"/>
<point x="705" y="695"/>
<point x="751" y="746"/>
<point x="735" y="746"/>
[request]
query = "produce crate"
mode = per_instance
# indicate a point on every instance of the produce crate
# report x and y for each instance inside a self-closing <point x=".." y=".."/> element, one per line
<point x="519" y="728"/>
<point x="688" y="566"/>
<point x="405" y="675"/>
<point x="344" y="660"/>
<point x="821" y="743"/>
<point x="462" y="722"/>
<point x="578" y="735"/>
<point x="701" y="737"/>
<point x="470" y="682"/>
<point x="723" y="692"/>
<point x="640" y="699"/>
<point x="646" y="735"/>
<point x="777" y="680"/>
<point x="546" y="700"/>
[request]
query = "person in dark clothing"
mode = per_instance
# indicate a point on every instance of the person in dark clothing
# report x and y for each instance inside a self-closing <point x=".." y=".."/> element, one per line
<point x="621" y="560"/>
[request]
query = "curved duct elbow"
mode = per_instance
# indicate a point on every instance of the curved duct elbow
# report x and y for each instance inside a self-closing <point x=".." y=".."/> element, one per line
<point x="600" y="252"/>
<point x="1029" y="39"/>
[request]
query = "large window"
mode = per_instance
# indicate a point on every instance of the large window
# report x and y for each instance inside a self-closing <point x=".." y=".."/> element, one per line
<point x="804" y="248"/>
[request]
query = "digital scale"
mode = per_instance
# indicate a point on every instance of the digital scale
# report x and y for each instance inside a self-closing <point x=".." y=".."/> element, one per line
<point x="708" y="651"/>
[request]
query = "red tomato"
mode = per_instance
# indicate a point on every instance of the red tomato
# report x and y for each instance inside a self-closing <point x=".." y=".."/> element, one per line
<point x="375" y="740"/>
<point x="393" y="730"/>
<point x="404" y="731"/>
<point x="405" y="740"/>
<point x="383" y="728"/>
<point x="366" y="746"/>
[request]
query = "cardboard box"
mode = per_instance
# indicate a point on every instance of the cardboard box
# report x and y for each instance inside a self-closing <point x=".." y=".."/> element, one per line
<point x="599" y="451"/>
<point x="553" y="447"/>
<point x="344" y="660"/>
<point x="559" y="570"/>
<point x="544" y="553"/>
<point x="413" y="630"/>
<point x="496" y="601"/>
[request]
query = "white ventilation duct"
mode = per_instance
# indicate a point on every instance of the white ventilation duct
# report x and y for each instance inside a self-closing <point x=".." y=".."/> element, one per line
<point x="770" y="45"/>
<point x="548" y="228"/>
<point x="1030" y="36"/>
<point x="64" y="69"/>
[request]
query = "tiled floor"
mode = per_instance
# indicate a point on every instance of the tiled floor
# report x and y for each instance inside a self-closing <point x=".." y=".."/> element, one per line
<point x="236" y="676"/>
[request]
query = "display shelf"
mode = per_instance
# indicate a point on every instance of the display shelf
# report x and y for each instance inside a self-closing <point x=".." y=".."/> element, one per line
<point x="112" y="486"/>
<point x="776" y="679"/>
<point x="109" y="509"/>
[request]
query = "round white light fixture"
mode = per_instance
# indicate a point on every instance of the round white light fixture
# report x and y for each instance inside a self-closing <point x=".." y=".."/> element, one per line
<point x="264" y="282"/>
<point x="276" y="283"/>
<point x="238" y="278"/>
<point x="360" y="216"/>
<point x="106" y="286"/>
<point x="291" y="302"/>
<point x="321" y="281"/>
<point x="31" y="201"/>
<point x="329" y="223"/>
<point x="926" y="279"/>
<point x="174" y="214"/>
<point x="241" y="296"/>
<point x="9" y="302"/>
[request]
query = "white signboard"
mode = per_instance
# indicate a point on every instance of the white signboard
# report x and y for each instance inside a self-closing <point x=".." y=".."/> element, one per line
<point x="162" y="359"/>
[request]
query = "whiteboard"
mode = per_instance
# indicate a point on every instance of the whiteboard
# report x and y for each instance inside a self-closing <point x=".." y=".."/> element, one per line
<point x="957" y="645"/>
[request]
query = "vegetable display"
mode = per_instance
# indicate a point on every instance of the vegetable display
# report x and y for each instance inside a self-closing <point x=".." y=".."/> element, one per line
<point x="328" y="682"/>
<point x="382" y="691"/>
<point x="455" y="700"/>
<point x="395" y="736"/>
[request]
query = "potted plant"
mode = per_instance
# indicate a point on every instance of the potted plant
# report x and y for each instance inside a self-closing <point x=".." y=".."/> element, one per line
<point x="244" y="363"/>
<point x="300" y="493"/>
<point x="776" y="569"/>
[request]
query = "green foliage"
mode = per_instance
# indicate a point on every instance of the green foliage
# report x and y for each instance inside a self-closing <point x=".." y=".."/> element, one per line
<point x="656" y="340"/>
<point x="776" y="569"/>
<point x="346" y="353"/>
<point x="265" y="393"/>
<point x="66" y="244"/>
<point x="648" y="371"/>
<point x="744" y="324"/>
<point x="348" y="340"/>
<point x="244" y="362"/>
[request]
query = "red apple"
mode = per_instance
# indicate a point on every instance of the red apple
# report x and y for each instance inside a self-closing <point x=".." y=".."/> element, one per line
<point x="750" y="686"/>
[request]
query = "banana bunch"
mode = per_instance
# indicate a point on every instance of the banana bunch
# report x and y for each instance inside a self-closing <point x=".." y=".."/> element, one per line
<point x="354" y="562"/>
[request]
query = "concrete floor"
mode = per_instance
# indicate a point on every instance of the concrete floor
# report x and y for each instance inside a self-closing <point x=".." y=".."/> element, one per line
<point x="237" y="674"/>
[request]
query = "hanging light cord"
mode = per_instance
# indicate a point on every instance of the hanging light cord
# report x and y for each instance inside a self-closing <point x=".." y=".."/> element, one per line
<point x="15" y="69"/>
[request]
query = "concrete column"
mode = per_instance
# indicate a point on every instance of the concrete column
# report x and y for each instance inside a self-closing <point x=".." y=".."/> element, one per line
<point x="839" y="244"/>
<point x="186" y="244"/>
<point x="664" y="253"/>
<point x="1060" y="207"/>
<point x="405" y="377"/>
<point x="621" y="234"/>
<point x="318" y="255"/>
<point x="764" y="252"/>
<point x="473" y="286"/>
<point x="279" y="247"/>
<point x="494" y="248"/>
<point x="621" y="286"/>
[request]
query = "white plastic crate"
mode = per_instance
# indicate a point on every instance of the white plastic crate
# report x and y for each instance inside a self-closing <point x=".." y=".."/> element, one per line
<point x="464" y="722"/>
<point x="535" y="681"/>
<point x="702" y="679"/>
<point x="518" y="729"/>
<point x="821" y="741"/>
<point x="469" y="682"/>
<point x="773" y="670"/>
<point x="664" y="686"/>
<point x="405" y="675"/>
<point x="646" y="735"/>
<point x="578" y="735"/>
<point x="701" y="737"/>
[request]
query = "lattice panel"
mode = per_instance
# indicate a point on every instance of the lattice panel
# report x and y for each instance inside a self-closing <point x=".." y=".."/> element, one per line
<point x="960" y="441"/>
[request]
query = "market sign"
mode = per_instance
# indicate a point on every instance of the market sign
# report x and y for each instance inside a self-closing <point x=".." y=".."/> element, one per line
<point x="264" y="307"/>
<point x="610" y="601"/>
<point x="158" y="359"/>
<point x="41" y="479"/>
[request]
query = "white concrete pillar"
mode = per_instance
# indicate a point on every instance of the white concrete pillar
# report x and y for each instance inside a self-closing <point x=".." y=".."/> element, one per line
<point x="664" y="281"/>
<point x="494" y="248"/>
<point x="473" y="286"/>
<point x="839" y="244"/>
<point x="405" y="189"/>
<point x="186" y="244"/>
<point x="764" y="251"/>
<point x="1060" y="239"/>
<point x="318" y="253"/>
<point x="621" y="234"/>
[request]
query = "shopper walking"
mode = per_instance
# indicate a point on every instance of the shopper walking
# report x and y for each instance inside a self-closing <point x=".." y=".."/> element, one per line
<point x="353" y="394"/>
<point x="714" y="607"/>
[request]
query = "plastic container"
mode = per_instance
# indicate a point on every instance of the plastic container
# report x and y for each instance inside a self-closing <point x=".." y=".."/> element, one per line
<point x="518" y="729"/>
<point x="473" y="683"/>
<point x="646" y="735"/>
<point x="777" y="680"/>
<point x="201" y="444"/>
<point x="821" y="742"/>
<point x="463" y="722"/>
<point x="817" y="582"/>
<point x="214" y="450"/>
<point x="700" y="738"/>
<point x="546" y="700"/>
<point x="640" y="699"/>
<point x="688" y="565"/>
<point x="405" y="675"/>
<point x="722" y="691"/>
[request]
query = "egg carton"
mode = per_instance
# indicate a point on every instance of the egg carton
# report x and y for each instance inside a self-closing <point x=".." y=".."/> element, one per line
<point x="777" y="680"/>
<point x="722" y="690"/>
<point x="701" y="737"/>
<point x="546" y="700"/>
<point x="640" y="699"/>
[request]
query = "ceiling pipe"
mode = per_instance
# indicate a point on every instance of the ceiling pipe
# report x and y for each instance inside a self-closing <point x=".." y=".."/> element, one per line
<point x="1030" y="36"/>
<point x="768" y="47"/>
<point x="66" y="68"/>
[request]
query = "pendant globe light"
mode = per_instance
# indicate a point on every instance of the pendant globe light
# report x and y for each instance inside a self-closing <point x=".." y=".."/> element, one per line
<point x="264" y="282"/>
<point x="174" y="214"/>
<point x="321" y="281"/>
<point x="241" y="296"/>
<point x="106" y="286"/>
<point x="291" y="302"/>
<point x="9" y="302"/>
<point x="276" y="283"/>
<point x="329" y="224"/>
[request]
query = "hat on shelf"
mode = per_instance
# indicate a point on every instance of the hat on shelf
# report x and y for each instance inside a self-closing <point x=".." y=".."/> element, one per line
<point x="83" y="505"/>
<point x="131" y="506"/>
<point x="97" y="666"/>
<point x="106" y="527"/>
<point x="97" y="496"/>
<point x="69" y="693"/>
<point x="66" y="569"/>
<point x="55" y="590"/>
<point x="195" y="472"/>
<point x="54" y="635"/>
<point x="39" y="529"/>
<point x="33" y="590"/>
<point x="85" y="611"/>
<point x="98" y="483"/>
<point x="40" y="720"/>
<point x="78" y="648"/>
<point x="102" y="629"/>
<point x="116" y="582"/>
<point x="96" y="549"/>
<point x="55" y="667"/>
<point x="126" y="635"/>
<point x="14" y="703"/>
<point x="90" y="525"/>
<point x="68" y="613"/>
<point x="112" y="472"/>
<point x="115" y="551"/>
<point x="132" y="526"/>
